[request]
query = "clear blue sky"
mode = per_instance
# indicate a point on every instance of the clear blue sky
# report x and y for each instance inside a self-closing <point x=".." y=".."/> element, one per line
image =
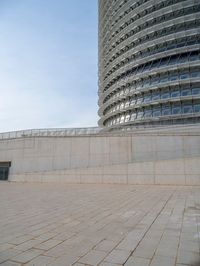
<point x="48" y="63"/>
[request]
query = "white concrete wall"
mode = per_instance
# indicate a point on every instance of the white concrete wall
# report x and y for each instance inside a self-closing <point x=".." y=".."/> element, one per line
<point x="131" y="158"/>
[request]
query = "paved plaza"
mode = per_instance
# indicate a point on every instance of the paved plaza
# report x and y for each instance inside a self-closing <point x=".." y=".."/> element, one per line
<point x="107" y="225"/>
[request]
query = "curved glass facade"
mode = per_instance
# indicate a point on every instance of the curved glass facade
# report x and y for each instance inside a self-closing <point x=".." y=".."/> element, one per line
<point x="149" y="62"/>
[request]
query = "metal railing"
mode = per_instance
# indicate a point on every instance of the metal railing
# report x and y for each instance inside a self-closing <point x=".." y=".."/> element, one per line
<point x="88" y="131"/>
<point x="50" y="132"/>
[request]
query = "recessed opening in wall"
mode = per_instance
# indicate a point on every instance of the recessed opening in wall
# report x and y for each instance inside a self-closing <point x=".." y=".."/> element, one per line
<point x="4" y="170"/>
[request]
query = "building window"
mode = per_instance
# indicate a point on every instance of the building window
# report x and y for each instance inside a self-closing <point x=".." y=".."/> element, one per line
<point x="133" y="116"/>
<point x="197" y="108"/>
<point x="155" y="96"/>
<point x="176" y="110"/>
<point x="187" y="109"/>
<point x="148" y="113"/>
<point x="127" y="118"/>
<point x="184" y="76"/>
<point x="165" y="94"/>
<point x="157" y="112"/>
<point x="195" y="91"/>
<point x="175" y="93"/>
<point x="140" y="114"/>
<point x="185" y="92"/>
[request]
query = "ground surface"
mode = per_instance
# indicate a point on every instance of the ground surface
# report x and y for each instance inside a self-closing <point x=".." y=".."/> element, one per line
<point x="47" y="224"/>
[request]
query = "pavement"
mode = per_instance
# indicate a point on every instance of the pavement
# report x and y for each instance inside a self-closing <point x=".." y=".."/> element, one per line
<point x="106" y="225"/>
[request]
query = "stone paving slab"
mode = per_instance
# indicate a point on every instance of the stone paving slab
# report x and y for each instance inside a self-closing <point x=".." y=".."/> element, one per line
<point x="106" y="225"/>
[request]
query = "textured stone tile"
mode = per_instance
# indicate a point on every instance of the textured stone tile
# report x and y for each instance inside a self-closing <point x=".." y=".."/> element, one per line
<point x="10" y="263"/>
<point x="118" y="256"/>
<point x="192" y="246"/>
<point x="109" y="264"/>
<point x="20" y="240"/>
<point x="48" y="244"/>
<point x="57" y="251"/>
<point x="68" y="259"/>
<point x="8" y="254"/>
<point x="28" y="244"/>
<point x="94" y="257"/>
<point x="27" y="256"/>
<point x="69" y="222"/>
<point x="130" y="242"/>
<point x="106" y="245"/>
<point x="64" y="235"/>
<point x="6" y="246"/>
<point x="147" y="252"/>
<point x="134" y="261"/>
<point x="164" y="261"/>
<point x="168" y="251"/>
<point x="46" y="236"/>
<point x="40" y="261"/>
<point x="188" y="257"/>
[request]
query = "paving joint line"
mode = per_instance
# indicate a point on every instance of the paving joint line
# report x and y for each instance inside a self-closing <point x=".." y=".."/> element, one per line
<point x="151" y="225"/>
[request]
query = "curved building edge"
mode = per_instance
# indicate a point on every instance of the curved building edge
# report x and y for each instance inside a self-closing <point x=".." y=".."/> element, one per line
<point x="149" y="63"/>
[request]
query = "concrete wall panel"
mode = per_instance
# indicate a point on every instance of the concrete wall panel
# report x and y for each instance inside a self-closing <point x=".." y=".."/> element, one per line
<point x="141" y="179"/>
<point x="192" y="166"/>
<point x="192" y="180"/>
<point x="168" y="147"/>
<point x="115" y="179"/>
<point x="143" y="148"/>
<point x="135" y="159"/>
<point x="191" y="145"/>
<point x="163" y="179"/>
<point x="169" y="167"/>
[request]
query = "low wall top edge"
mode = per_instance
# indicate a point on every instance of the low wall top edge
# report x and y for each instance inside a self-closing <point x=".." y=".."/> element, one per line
<point x="96" y="131"/>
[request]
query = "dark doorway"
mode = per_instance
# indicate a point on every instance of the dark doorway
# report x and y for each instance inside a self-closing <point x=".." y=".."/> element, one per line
<point x="4" y="170"/>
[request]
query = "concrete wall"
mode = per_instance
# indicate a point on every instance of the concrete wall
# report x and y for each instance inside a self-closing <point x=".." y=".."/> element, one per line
<point x="130" y="158"/>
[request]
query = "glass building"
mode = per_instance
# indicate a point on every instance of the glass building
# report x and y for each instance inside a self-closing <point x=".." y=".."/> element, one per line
<point x="149" y="62"/>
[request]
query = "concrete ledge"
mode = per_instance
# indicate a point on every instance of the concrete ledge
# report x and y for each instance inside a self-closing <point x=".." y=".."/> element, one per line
<point x="161" y="157"/>
<point x="166" y="172"/>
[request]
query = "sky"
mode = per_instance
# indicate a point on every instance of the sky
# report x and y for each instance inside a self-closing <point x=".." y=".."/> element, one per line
<point x="48" y="64"/>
